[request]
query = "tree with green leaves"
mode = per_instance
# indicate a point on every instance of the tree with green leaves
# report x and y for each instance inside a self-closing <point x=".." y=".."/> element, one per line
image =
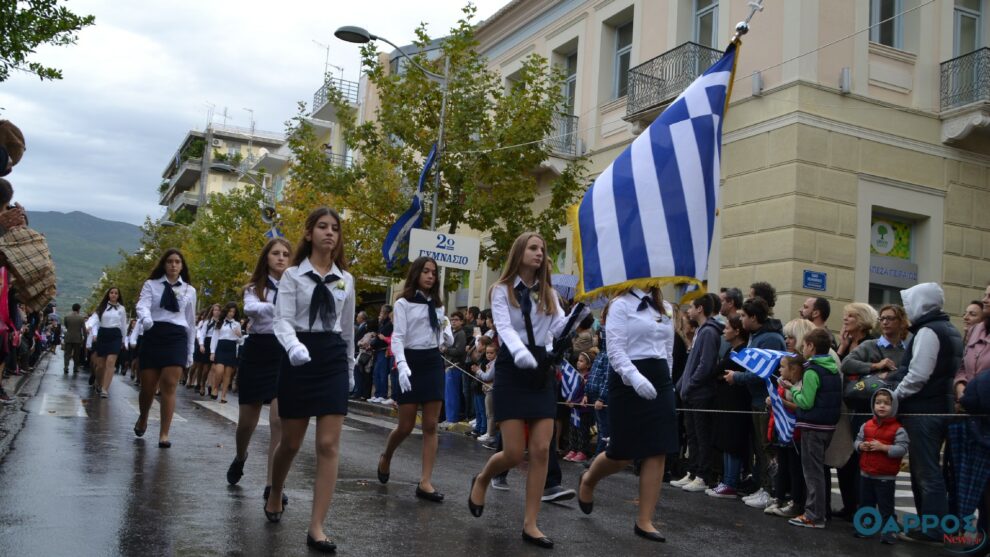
<point x="495" y="151"/>
<point x="27" y="24"/>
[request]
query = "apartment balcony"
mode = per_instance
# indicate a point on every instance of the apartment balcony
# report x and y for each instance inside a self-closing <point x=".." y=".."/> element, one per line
<point x="343" y="161"/>
<point x="185" y="200"/>
<point x="563" y="139"/>
<point x="656" y="82"/>
<point x="323" y="110"/>
<point x="185" y="177"/>
<point x="965" y="101"/>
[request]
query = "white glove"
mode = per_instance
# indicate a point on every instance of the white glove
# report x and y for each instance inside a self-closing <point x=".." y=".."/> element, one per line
<point x="642" y="386"/>
<point x="350" y="380"/>
<point x="189" y="361"/>
<point x="299" y="355"/>
<point x="404" y="373"/>
<point x="147" y="323"/>
<point x="524" y="359"/>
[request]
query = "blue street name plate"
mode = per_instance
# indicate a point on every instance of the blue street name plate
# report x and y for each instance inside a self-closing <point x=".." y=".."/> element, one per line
<point x="815" y="280"/>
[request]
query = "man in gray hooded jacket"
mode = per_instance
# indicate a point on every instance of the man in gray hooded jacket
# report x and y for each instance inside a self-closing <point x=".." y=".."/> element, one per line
<point x="924" y="386"/>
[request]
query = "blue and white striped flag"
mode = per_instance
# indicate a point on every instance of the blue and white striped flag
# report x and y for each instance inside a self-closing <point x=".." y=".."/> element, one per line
<point x="570" y="383"/>
<point x="649" y="217"/>
<point x="412" y="218"/>
<point x="763" y="363"/>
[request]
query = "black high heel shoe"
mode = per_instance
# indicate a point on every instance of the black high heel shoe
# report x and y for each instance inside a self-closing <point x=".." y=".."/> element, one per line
<point x="382" y="476"/>
<point x="542" y="541"/>
<point x="476" y="510"/>
<point x="323" y="546"/>
<point x="586" y="508"/>
<point x="272" y="516"/>
<point x="268" y="491"/>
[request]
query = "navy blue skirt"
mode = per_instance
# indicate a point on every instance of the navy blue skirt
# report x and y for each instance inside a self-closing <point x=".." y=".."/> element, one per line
<point x="641" y="428"/>
<point x="204" y="357"/>
<point x="522" y="394"/>
<point x="320" y="386"/>
<point x="226" y="353"/>
<point x="164" y="345"/>
<point x="109" y="341"/>
<point x="427" y="376"/>
<point x="257" y="378"/>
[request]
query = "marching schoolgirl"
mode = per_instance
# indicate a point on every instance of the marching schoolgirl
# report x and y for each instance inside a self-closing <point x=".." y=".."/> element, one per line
<point x="528" y="316"/>
<point x="314" y="322"/>
<point x="111" y="317"/>
<point x="262" y="357"/>
<point x="206" y="379"/>
<point x="189" y="379"/>
<point x="419" y="331"/>
<point x="166" y="308"/>
<point x="223" y="350"/>
<point x="641" y="413"/>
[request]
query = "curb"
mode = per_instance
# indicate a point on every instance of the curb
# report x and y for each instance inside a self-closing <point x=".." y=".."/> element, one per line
<point x="22" y="388"/>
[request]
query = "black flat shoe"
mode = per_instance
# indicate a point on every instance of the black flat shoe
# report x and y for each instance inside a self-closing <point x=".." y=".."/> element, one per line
<point x="543" y="541"/>
<point x="272" y="516"/>
<point x="434" y="495"/>
<point x="236" y="470"/>
<point x="476" y="510"/>
<point x="382" y="476"/>
<point x="139" y="432"/>
<point x="164" y="444"/>
<point x="268" y="491"/>
<point x="323" y="546"/>
<point x="586" y="508"/>
<point x="652" y="536"/>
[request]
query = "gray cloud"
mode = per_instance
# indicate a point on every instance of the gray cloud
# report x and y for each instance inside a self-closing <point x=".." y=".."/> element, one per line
<point x="142" y="77"/>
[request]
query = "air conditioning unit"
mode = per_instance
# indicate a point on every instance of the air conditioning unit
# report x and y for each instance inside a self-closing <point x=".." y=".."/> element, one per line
<point x="217" y="143"/>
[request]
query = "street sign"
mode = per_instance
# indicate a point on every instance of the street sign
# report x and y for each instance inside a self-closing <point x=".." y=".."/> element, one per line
<point x="815" y="280"/>
<point x="449" y="250"/>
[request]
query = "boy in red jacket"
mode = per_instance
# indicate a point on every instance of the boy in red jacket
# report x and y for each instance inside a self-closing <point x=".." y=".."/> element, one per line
<point x="882" y="443"/>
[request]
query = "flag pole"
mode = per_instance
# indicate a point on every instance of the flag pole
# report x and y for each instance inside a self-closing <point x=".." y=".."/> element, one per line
<point x="743" y="26"/>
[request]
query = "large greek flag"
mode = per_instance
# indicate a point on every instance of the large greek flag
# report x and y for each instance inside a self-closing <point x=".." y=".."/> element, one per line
<point x="649" y="217"/>
<point x="412" y="218"/>
<point x="763" y="363"/>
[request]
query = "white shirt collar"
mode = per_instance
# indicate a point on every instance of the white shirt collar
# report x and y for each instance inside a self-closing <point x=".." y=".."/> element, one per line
<point x="307" y="266"/>
<point x="519" y="281"/>
<point x="882" y="342"/>
<point x="178" y="280"/>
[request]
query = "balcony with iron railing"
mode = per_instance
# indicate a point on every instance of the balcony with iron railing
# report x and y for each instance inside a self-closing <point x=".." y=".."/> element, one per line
<point x="183" y="200"/>
<point x="186" y="175"/>
<point x="325" y="111"/>
<point x="964" y="100"/>
<point x="563" y="140"/>
<point x="344" y="161"/>
<point x="656" y="82"/>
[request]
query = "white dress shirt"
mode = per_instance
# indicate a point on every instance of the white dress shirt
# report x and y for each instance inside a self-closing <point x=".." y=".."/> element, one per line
<point x="261" y="312"/>
<point x="136" y="333"/>
<point x="148" y="306"/>
<point x="411" y="329"/>
<point x="114" y="319"/>
<point x="205" y="330"/>
<point x="295" y="291"/>
<point x="230" y="329"/>
<point x="511" y="325"/>
<point x="637" y="335"/>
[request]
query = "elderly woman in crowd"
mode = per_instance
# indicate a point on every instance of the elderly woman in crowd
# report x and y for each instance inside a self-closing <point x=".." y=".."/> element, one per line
<point x="858" y="322"/>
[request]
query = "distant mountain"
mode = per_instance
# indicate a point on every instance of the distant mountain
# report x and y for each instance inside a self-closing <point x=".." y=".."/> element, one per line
<point x="82" y="245"/>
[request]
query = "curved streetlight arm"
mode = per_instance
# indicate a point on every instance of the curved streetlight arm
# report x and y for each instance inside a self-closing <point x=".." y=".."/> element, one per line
<point x="434" y="76"/>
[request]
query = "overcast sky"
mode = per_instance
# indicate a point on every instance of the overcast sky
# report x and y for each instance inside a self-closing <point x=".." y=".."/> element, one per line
<point x="145" y="73"/>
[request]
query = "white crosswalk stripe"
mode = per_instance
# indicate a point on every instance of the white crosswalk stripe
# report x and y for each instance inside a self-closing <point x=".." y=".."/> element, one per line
<point x="903" y="496"/>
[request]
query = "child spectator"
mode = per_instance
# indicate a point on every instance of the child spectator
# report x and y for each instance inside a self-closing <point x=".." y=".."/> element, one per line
<point x="882" y="443"/>
<point x="486" y="372"/>
<point x="789" y="478"/>
<point x="579" y="437"/>
<point x="596" y="393"/>
<point x="818" y="401"/>
<point x="479" y="365"/>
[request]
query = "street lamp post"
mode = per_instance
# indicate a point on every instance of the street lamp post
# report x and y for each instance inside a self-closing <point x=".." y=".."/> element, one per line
<point x="360" y="35"/>
<point x="265" y="191"/>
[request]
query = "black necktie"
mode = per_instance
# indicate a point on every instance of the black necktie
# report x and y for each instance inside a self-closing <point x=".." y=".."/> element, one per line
<point x="645" y="302"/>
<point x="526" y="306"/>
<point x="229" y="323"/>
<point x="431" y="308"/>
<point x="322" y="303"/>
<point x="112" y="306"/>
<point x="274" y="288"/>
<point x="169" y="301"/>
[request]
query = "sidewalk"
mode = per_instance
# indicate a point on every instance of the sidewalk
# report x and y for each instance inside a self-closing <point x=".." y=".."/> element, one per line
<point x="21" y="388"/>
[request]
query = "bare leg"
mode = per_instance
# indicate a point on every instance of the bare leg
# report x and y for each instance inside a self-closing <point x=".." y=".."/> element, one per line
<point x="513" y="449"/>
<point x="650" y="480"/>
<point x="327" y="457"/>
<point x="601" y="467"/>
<point x="228" y="373"/>
<point x="216" y="376"/>
<point x="149" y="384"/>
<point x="166" y="384"/>
<point x="111" y="363"/>
<point x="247" y="421"/>
<point x="431" y="415"/>
<point x="407" y="420"/>
<point x="540" y="433"/>
<point x="275" y="425"/>
<point x="293" y="433"/>
<point x="96" y="369"/>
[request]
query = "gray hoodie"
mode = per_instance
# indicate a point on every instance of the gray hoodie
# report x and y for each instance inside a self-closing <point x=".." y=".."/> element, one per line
<point x="920" y="301"/>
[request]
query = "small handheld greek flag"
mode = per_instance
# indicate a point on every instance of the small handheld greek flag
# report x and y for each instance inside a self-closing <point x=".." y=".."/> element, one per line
<point x="412" y="218"/>
<point x="570" y="384"/>
<point x="763" y="363"/>
<point x="649" y="218"/>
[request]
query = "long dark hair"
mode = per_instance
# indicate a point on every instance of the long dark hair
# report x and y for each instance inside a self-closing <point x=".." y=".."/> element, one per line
<point x="227" y="308"/>
<point x="412" y="281"/>
<point x="259" y="278"/>
<point x="159" y="270"/>
<point x="106" y="300"/>
<point x="305" y="247"/>
<point x="547" y="296"/>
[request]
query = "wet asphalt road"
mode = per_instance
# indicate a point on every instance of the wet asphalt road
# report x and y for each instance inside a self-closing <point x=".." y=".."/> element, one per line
<point x="79" y="483"/>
